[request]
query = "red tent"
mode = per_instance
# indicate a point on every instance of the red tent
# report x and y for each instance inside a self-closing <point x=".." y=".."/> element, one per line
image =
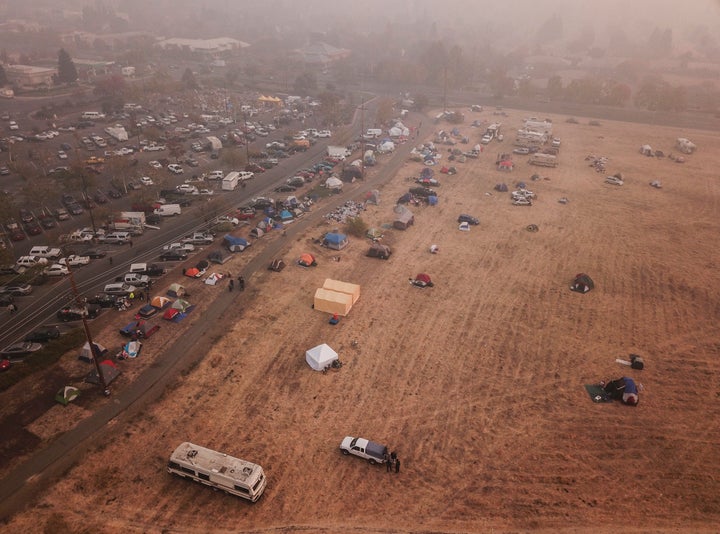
<point x="422" y="277"/>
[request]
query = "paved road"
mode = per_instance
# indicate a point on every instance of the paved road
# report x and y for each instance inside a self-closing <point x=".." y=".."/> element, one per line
<point x="22" y="483"/>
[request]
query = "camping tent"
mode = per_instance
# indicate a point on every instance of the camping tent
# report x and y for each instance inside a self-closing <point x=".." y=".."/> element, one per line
<point x="320" y="357"/>
<point x="502" y="187"/>
<point x="403" y="218"/>
<point x="109" y="372"/>
<point x="235" y="244"/>
<point x="277" y="265"/>
<point x="505" y="165"/>
<point x="213" y="279"/>
<point x="646" y="150"/>
<point x="334" y="183"/>
<point x="582" y="283"/>
<point x="193" y="272"/>
<point x="307" y="260"/>
<point x="374" y="233"/>
<point x="335" y="302"/>
<point x="67" y="394"/>
<point x="257" y="232"/>
<point x="343" y="287"/>
<point x="373" y="197"/>
<point x="335" y="240"/>
<point x="421" y="280"/>
<point x="386" y="146"/>
<point x="85" y="353"/>
<point x="181" y="304"/>
<point x="464" y="226"/>
<point x="378" y="250"/>
<point x="160" y="302"/>
<point x="176" y="290"/>
<point x="286" y="217"/>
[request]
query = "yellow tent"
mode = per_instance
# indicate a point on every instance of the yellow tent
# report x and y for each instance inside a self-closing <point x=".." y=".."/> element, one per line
<point x="332" y="301"/>
<point x="343" y="287"/>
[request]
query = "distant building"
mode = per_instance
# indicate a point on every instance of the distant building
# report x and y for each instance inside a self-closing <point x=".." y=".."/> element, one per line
<point x="29" y="77"/>
<point x="221" y="46"/>
<point x="89" y="68"/>
<point x="320" y="53"/>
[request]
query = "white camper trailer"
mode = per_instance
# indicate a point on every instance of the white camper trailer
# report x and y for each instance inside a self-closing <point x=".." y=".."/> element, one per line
<point x="218" y="470"/>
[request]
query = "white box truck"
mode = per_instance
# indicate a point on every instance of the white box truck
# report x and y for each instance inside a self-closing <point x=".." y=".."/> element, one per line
<point x="338" y="152"/>
<point x="230" y="181"/>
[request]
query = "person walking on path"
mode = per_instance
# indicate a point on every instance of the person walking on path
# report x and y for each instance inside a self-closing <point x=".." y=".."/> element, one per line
<point x="110" y="259"/>
<point x="241" y="283"/>
<point x="12" y="308"/>
<point x="397" y="465"/>
<point x="232" y="285"/>
<point x="386" y="457"/>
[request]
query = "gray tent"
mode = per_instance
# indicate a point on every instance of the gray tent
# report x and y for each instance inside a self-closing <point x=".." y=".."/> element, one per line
<point x="404" y="218"/>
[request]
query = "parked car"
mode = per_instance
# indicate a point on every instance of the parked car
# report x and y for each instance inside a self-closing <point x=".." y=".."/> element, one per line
<point x="47" y="222"/>
<point x="73" y="260"/>
<point x="185" y="247"/>
<point x="95" y="253"/>
<point x="464" y="217"/>
<point x="103" y="300"/>
<point x="175" y="168"/>
<point x="18" y="290"/>
<point x="174" y="255"/>
<point x="76" y="313"/>
<point x="119" y="288"/>
<point x="146" y="180"/>
<point x="56" y="269"/>
<point x="43" y="334"/>
<point x="21" y="349"/>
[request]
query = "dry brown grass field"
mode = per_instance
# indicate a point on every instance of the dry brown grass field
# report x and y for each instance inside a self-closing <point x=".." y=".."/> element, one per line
<point x="477" y="382"/>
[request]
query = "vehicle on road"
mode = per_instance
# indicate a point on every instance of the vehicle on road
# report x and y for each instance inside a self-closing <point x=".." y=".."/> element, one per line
<point x="73" y="260"/>
<point x="119" y="288"/>
<point x="21" y="349"/>
<point x="56" y="269"/>
<point x="76" y="313"/>
<point x="95" y="253"/>
<point x="43" y="334"/>
<point x="185" y="247"/>
<point x="173" y="255"/>
<point x="18" y="290"/>
<point x="103" y="300"/>
<point x="199" y="238"/>
<point x="175" y="168"/>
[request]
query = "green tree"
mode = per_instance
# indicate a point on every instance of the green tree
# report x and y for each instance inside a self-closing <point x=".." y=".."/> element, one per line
<point x="188" y="80"/>
<point x="305" y="83"/>
<point x="233" y="157"/>
<point x="554" y="89"/>
<point x="67" y="73"/>
<point x="3" y="76"/>
<point x="385" y="111"/>
<point x="330" y="108"/>
<point x="421" y="101"/>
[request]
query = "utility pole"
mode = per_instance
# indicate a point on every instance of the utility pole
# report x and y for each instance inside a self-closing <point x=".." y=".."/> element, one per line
<point x="362" y="136"/>
<point x="93" y="348"/>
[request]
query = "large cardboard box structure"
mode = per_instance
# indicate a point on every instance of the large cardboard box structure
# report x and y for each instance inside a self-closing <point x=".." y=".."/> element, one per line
<point x="334" y="302"/>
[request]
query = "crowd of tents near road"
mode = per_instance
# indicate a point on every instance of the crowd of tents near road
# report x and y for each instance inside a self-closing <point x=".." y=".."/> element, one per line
<point x="441" y="157"/>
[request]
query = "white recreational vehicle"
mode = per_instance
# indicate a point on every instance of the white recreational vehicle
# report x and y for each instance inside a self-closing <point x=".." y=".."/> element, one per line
<point x="218" y="470"/>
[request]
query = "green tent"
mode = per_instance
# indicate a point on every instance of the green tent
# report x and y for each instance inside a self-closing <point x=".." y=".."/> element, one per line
<point x="67" y="394"/>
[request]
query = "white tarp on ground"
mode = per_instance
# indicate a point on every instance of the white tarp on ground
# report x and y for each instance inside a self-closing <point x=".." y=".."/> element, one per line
<point x="320" y="357"/>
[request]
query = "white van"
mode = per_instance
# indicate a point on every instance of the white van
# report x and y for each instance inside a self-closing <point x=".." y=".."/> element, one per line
<point x="45" y="252"/>
<point x="373" y="133"/>
<point x="168" y="210"/>
<point x="218" y="470"/>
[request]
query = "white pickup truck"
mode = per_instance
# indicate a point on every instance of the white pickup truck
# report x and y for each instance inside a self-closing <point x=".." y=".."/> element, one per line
<point x="369" y="450"/>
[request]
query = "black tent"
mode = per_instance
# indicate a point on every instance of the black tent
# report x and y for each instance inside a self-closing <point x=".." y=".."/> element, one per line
<point x="582" y="283"/>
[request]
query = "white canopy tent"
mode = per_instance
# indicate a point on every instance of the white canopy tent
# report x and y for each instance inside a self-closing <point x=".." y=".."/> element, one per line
<point x="320" y="357"/>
